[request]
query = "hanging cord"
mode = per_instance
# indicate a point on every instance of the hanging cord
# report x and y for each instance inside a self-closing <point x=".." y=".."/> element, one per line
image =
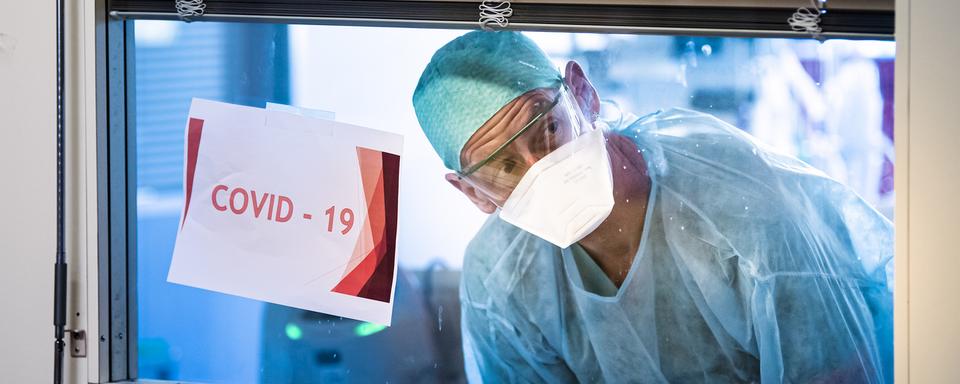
<point x="60" y="264"/>
<point x="495" y="12"/>
<point x="807" y="19"/>
<point x="190" y="8"/>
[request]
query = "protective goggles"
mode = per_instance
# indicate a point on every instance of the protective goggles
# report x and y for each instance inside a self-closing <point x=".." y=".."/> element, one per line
<point x="548" y="124"/>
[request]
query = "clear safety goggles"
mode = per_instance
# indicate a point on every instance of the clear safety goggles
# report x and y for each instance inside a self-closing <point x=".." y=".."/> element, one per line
<point x="548" y="125"/>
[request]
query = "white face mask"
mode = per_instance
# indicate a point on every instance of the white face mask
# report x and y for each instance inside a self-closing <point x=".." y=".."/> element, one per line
<point x="565" y="195"/>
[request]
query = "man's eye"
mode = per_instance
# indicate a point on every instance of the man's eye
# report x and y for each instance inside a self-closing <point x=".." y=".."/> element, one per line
<point x="508" y="167"/>
<point x="552" y="127"/>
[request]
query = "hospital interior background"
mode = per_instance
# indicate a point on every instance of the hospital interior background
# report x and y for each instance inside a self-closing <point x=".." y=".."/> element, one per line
<point x="829" y="104"/>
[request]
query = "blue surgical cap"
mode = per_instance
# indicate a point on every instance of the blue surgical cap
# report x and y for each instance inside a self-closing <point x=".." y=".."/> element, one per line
<point x="469" y="79"/>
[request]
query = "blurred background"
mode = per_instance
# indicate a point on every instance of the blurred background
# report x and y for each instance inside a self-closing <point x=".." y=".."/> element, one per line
<point x="829" y="104"/>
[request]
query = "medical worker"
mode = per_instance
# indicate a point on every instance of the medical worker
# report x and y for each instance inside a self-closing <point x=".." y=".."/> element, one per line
<point x="672" y="248"/>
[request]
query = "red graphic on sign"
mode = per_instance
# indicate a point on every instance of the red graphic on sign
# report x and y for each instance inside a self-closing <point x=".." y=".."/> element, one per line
<point x="370" y="269"/>
<point x="194" y="131"/>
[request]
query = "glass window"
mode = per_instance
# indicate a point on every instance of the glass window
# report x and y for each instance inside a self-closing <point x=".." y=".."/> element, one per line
<point x="827" y="104"/>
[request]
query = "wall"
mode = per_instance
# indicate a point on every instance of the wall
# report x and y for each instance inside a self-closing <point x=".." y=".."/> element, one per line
<point x="932" y="136"/>
<point x="27" y="190"/>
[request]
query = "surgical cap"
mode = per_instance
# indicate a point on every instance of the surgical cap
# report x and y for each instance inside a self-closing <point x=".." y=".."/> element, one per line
<point x="469" y="79"/>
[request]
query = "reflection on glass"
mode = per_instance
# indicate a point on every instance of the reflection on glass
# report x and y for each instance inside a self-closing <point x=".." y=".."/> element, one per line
<point x="829" y="105"/>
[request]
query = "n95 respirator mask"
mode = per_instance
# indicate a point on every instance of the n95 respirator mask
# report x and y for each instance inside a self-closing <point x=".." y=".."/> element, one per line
<point x="565" y="195"/>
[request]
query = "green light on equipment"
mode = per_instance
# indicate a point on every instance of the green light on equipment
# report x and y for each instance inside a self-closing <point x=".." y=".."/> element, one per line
<point x="293" y="331"/>
<point x="367" y="329"/>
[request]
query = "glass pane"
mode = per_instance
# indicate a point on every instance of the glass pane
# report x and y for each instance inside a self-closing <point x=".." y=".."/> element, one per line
<point x="725" y="294"/>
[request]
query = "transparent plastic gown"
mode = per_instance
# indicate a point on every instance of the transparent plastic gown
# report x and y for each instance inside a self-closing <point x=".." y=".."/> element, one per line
<point x="753" y="267"/>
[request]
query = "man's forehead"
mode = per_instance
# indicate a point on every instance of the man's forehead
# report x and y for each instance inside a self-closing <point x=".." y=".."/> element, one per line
<point x="526" y="103"/>
<point x="506" y="122"/>
<point x="515" y="113"/>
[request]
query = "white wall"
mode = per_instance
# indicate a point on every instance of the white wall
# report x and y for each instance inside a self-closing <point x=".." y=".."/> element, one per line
<point x="928" y="64"/>
<point x="27" y="190"/>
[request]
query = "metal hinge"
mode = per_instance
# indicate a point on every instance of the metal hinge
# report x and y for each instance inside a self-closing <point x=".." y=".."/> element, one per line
<point x="78" y="342"/>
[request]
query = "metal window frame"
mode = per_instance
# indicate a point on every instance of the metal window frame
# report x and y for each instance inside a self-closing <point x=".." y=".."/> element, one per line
<point x="116" y="140"/>
<point x="844" y="19"/>
<point x="116" y="202"/>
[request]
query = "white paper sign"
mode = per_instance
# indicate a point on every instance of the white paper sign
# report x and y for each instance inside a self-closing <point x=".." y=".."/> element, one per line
<point x="309" y="112"/>
<point x="289" y="209"/>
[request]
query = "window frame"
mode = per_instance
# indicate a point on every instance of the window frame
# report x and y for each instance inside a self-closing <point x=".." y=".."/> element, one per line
<point x="116" y="205"/>
<point x="116" y="346"/>
<point x="844" y="18"/>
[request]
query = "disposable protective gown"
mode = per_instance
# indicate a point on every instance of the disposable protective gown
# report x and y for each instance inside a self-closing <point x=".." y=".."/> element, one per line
<point x="752" y="267"/>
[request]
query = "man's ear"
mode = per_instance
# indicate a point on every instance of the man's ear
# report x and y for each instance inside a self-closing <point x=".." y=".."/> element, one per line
<point x="475" y="196"/>
<point x="583" y="91"/>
